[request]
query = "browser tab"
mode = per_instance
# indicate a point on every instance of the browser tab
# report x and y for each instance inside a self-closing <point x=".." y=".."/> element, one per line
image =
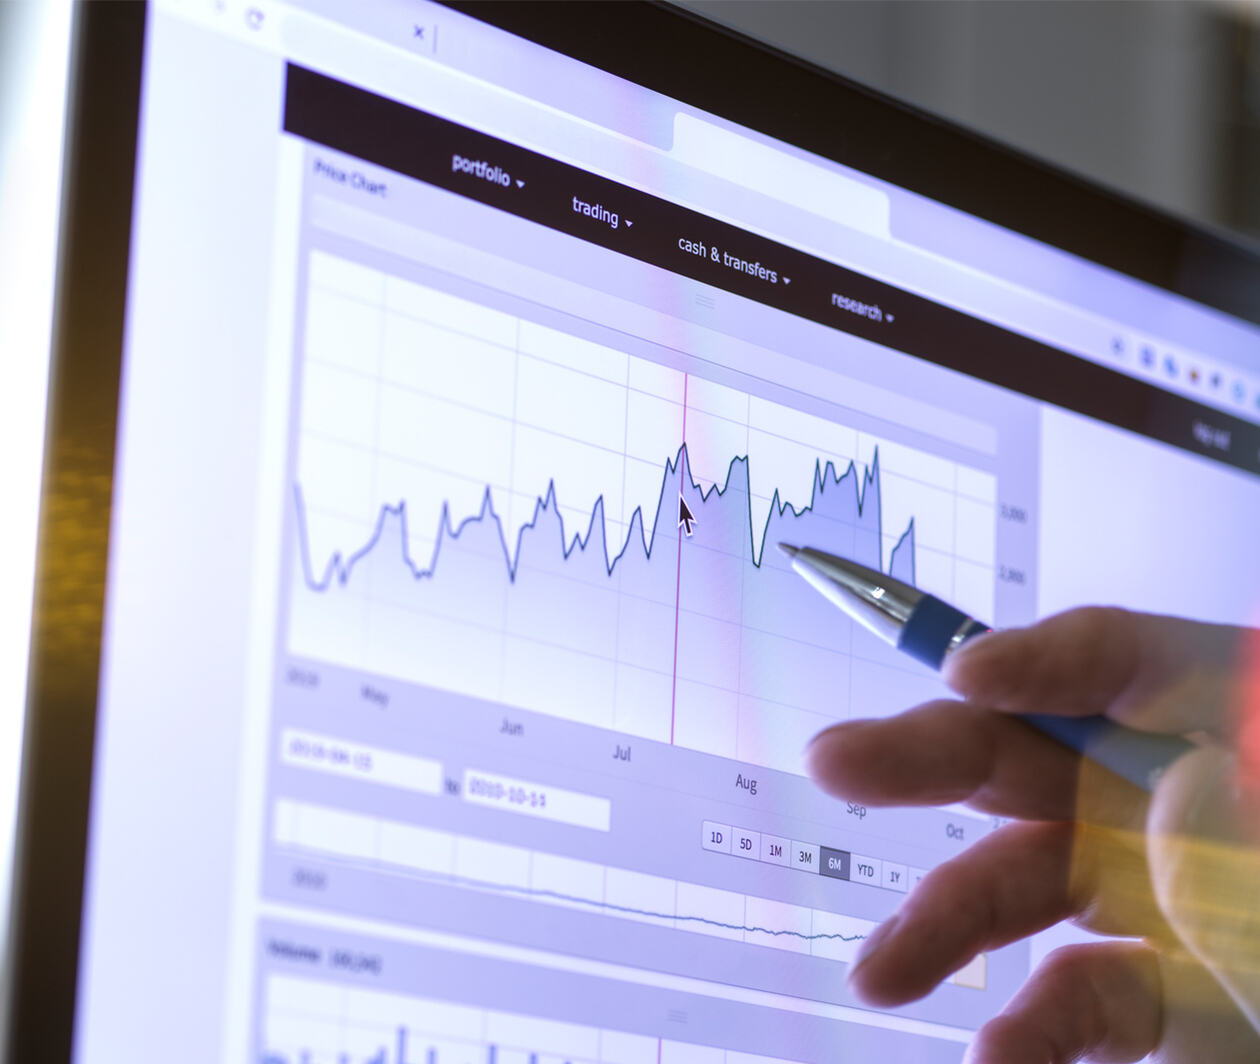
<point x="421" y="36"/>
<point x="814" y="187"/>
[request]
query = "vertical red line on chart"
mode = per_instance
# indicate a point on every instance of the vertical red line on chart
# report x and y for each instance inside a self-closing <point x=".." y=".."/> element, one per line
<point x="673" y="697"/>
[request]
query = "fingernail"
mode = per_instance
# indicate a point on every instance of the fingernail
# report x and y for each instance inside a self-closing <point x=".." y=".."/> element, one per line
<point x="871" y="946"/>
<point x="963" y="655"/>
<point x="954" y="661"/>
<point x="831" y="729"/>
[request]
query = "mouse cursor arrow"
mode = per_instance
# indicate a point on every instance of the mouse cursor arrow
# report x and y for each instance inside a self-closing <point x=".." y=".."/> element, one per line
<point x="685" y="517"/>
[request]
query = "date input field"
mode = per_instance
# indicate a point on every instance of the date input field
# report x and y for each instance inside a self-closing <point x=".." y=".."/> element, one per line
<point x="537" y="800"/>
<point x="351" y="760"/>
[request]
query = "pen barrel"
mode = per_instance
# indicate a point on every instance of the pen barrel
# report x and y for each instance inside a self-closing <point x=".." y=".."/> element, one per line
<point x="934" y="629"/>
<point x="1139" y="757"/>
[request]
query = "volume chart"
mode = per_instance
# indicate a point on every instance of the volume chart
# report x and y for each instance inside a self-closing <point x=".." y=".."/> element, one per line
<point x="313" y="1022"/>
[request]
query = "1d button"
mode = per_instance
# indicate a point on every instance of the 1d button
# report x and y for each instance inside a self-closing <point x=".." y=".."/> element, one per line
<point x="716" y="837"/>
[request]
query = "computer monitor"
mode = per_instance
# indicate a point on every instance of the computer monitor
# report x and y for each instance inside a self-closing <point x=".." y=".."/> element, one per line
<point x="415" y="677"/>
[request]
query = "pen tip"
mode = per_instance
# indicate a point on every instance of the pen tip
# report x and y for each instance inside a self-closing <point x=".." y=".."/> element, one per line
<point x="789" y="550"/>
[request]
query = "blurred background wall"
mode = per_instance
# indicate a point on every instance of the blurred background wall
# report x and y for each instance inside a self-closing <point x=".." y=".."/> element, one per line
<point x="1158" y="99"/>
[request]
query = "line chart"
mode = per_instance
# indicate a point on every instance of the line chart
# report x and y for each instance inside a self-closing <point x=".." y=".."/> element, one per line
<point x="338" y="570"/>
<point x="630" y="910"/>
<point x="506" y="870"/>
<point x="496" y="508"/>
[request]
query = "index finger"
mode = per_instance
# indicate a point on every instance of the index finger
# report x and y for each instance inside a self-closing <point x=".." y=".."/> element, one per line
<point x="1159" y="674"/>
<point x="945" y="752"/>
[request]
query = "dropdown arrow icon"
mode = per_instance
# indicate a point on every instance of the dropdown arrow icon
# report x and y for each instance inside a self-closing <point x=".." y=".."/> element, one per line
<point x="787" y="280"/>
<point x="628" y="222"/>
<point x="520" y="183"/>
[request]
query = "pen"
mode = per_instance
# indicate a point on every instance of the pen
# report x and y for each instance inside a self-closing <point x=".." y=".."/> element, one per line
<point x="929" y="630"/>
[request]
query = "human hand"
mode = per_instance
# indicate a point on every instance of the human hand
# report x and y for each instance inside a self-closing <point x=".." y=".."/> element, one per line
<point x="1177" y="871"/>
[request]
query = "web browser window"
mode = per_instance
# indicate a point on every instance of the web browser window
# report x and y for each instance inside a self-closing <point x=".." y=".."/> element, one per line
<point x="454" y="689"/>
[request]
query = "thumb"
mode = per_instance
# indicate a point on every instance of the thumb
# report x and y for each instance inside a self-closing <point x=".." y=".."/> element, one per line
<point x="1202" y="833"/>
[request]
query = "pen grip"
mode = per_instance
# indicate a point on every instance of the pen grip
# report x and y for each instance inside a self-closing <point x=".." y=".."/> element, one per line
<point x="931" y="628"/>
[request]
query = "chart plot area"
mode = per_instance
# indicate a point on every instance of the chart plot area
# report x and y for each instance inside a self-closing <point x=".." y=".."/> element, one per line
<point x="497" y="508"/>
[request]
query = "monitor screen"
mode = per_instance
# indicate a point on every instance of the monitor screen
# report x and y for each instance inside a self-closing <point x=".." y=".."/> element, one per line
<point x="453" y="690"/>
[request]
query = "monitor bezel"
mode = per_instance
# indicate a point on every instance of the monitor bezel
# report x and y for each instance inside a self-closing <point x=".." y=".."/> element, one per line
<point x="50" y="848"/>
<point x="680" y="54"/>
<point x="643" y="42"/>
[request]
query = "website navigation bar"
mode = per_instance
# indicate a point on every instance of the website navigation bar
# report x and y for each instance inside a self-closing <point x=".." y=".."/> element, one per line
<point x="652" y="230"/>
